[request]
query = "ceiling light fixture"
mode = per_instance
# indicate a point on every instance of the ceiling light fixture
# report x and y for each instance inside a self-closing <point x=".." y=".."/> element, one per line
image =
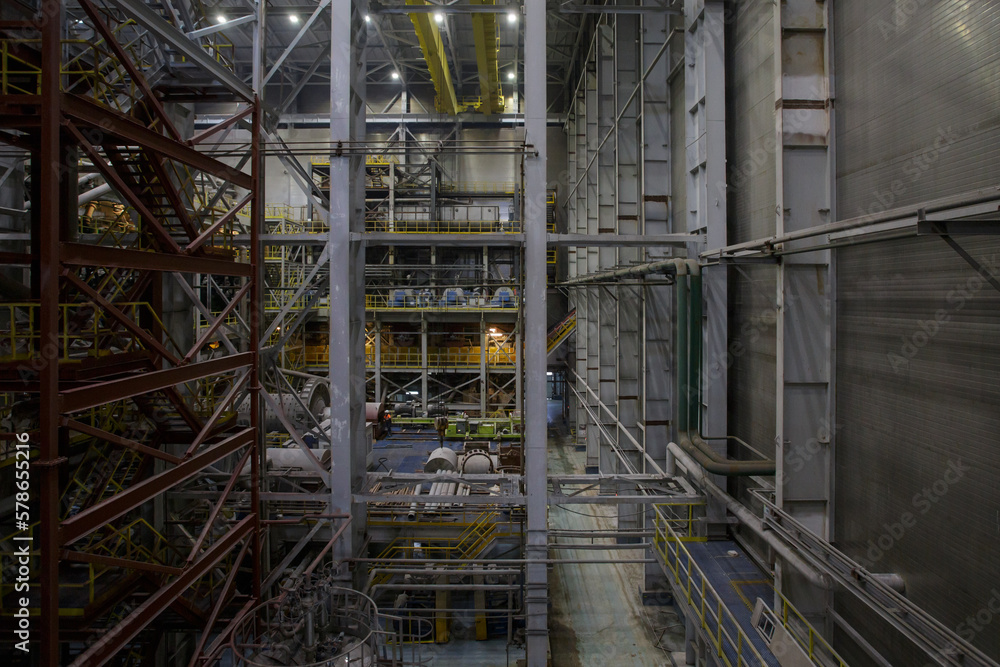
<point x="511" y="17"/>
<point x="294" y="18"/>
<point x="395" y="75"/>
<point x="220" y="19"/>
<point x="438" y="17"/>
<point x="510" y="76"/>
<point x="368" y="19"/>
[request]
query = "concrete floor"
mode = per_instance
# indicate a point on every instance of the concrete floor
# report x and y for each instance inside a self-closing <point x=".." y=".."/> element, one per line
<point x="596" y="617"/>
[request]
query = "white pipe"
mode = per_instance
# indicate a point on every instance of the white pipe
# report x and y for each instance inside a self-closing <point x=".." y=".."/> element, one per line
<point x="91" y="195"/>
<point x="750" y="520"/>
<point x="412" y="514"/>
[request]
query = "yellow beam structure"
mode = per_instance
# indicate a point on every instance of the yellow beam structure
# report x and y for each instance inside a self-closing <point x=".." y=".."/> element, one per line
<point x="484" y="30"/>
<point x="437" y="61"/>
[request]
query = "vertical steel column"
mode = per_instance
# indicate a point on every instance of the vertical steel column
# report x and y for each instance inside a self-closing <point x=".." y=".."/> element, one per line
<point x="654" y="218"/>
<point x="533" y="342"/>
<point x="347" y="316"/>
<point x="655" y="141"/>
<point x="579" y="225"/>
<point x="593" y="367"/>
<point x="50" y="223"/>
<point x="805" y="324"/>
<point x="259" y="458"/>
<point x="705" y="97"/>
<point x="484" y="384"/>
<point x="377" y="338"/>
<point x="607" y="197"/>
<point x="626" y="146"/>
<point x="424" y="363"/>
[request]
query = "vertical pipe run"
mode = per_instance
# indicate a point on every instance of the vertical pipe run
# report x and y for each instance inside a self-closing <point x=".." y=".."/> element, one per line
<point x="693" y="395"/>
<point x="681" y="345"/>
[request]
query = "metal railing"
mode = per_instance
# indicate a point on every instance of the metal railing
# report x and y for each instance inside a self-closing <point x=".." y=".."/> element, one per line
<point x="444" y="226"/>
<point x="730" y="642"/>
<point x="418" y="302"/>
<point x="676" y="524"/>
<point x="80" y="327"/>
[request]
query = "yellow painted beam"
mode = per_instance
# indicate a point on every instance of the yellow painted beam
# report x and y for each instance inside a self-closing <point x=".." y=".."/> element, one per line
<point x="484" y="31"/>
<point x="436" y="59"/>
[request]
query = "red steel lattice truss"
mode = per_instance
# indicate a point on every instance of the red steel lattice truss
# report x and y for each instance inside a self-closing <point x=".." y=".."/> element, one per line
<point x="97" y="358"/>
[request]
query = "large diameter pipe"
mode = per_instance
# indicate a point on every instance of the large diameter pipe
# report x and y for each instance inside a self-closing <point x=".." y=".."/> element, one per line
<point x="91" y="195"/>
<point x="751" y="521"/>
<point x="696" y="447"/>
<point x="689" y="381"/>
<point x="637" y="271"/>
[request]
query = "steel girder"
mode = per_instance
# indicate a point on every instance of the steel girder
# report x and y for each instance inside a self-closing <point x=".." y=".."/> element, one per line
<point x="484" y="30"/>
<point x="436" y="59"/>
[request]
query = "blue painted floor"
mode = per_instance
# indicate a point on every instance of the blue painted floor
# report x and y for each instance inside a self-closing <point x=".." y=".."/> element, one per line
<point x="739" y="583"/>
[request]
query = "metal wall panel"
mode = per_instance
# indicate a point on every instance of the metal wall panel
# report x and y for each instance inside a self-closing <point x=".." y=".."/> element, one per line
<point x="752" y="194"/>
<point x="751" y="161"/>
<point x="918" y="424"/>
<point x="918" y="371"/>
<point x="918" y="88"/>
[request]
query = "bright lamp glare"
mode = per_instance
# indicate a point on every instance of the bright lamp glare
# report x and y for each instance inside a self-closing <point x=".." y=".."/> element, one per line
<point x="511" y="17"/>
<point x="220" y="19"/>
<point x="395" y="75"/>
<point x="368" y="19"/>
<point x="438" y="17"/>
<point x="510" y="76"/>
<point x="294" y="18"/>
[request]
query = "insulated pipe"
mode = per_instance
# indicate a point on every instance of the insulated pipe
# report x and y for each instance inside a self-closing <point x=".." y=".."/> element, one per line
<point x="689" y="374"/>
<point x="693" y="397"/>
<point x="751" y="521"/>
<point x="91" y="195"/>
<point x="631" y="271"/>
<point x="695" y="446"/>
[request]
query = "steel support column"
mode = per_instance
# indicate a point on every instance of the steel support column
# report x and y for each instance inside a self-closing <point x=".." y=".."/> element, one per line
<point x="705" y="100"/>
<point x="45" y="243"/>
<point x="805" y="284"/>
<point x="534" y="339"/>
<point x="347" y="268"/>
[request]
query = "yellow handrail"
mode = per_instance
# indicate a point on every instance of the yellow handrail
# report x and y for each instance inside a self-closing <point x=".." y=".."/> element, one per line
<point x="714" y="618"/>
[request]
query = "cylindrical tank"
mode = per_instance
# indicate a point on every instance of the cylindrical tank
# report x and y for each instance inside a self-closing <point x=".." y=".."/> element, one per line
<point x="477" y="463"/>
<point x="284" y="458"/>
<point x="442" y="459"/>
<point x="372" y="410"/>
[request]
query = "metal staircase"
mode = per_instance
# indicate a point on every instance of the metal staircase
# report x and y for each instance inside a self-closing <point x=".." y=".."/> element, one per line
<point x="561" y="332"/>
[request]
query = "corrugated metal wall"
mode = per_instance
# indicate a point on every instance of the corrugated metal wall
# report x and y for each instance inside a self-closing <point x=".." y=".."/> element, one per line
<point x="918" y="100"/>
<point x="918" y="372"/>
<point x="918" y="423"/>
<point x="751" y="189"/>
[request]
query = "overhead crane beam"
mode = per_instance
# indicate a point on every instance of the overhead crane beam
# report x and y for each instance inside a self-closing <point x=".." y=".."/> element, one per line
<point x="484" y="30"/>
<point x="437" y="60"/>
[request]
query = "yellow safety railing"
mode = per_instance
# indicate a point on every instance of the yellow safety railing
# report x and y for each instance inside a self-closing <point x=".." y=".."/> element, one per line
<point x="730" y="642"/>
<point x="122" y="542"/>
<point x="81" y="326"/>
<point x="561" y="332"/>
<point x="479" y="531"/>
<point x="817" y="648"/>
<point x="444" y="226"/>
<point x="674" y="525"/>
<point x="401" y="357"/>
<point x="481" y="187"/>
<point x="104" y="471"/>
